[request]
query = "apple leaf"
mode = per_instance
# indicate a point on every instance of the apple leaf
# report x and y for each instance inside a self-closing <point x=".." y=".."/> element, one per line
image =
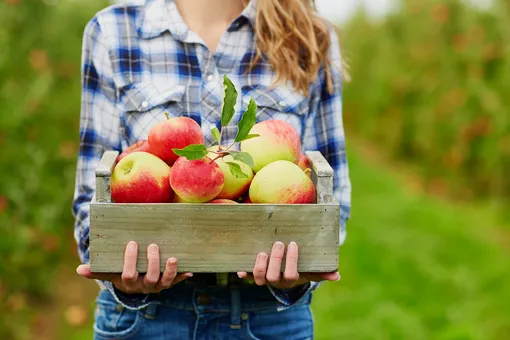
<point x="216" y="134"/>
<point x="192" y="152"/>
<point x="247" y="121"/>
<point x="235" y="170"/>
<point x="229" y="101"/>
<point x="243" y="157"/>
<point x="255" y="135"/>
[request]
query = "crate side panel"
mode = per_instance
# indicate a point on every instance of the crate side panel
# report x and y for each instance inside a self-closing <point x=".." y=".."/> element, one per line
<point x="213" y="238"/>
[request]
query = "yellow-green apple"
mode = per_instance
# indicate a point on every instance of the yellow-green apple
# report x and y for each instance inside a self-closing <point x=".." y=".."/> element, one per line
<point x="223" y="201"/>
<point x="140" y="146"/>
<point x="278" y="140"/>
<point x="141" y="177"/>
<point x="176" y="132"/>
<point x="282" y="182"/>
<point x="233" y="187"/>
<point x="304" y="164"/>
<point x="196" y="181"/>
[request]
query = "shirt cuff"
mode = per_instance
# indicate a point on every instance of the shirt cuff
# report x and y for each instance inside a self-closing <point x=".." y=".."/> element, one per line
<point x="289" y="297"/>
<point x="130" y="301"/>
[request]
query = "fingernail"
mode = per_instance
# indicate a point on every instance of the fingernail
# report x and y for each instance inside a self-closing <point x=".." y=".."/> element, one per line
<point x="339" y="277"/>
<point x="292" y="246"/>
<point x="279" y="246"/>
<point x="189" y="274"/>
<point x="263" y="256"/>
<point x="239" y="275"/>
<point x="132" y="245"/>
<point x="172" y="261"/>
<point x="153" y="248"/>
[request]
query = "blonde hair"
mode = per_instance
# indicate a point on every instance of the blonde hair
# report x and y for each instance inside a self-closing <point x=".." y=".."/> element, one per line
<point x="295" y="40"/>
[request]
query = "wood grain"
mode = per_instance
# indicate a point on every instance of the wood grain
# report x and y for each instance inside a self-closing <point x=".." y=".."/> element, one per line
<point x="214" y="238"/>
<point x="103" y="174"/>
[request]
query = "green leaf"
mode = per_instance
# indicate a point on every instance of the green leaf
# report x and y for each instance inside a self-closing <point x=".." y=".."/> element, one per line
<point x="247" y="121"/>
<point x="192" y="152"/>
<point x="229" y="101"/>
<point x="235" y="170"/>
<point x="216" y="134"/>
<point x="243" y="157"/>
<point x="250" y="137"/>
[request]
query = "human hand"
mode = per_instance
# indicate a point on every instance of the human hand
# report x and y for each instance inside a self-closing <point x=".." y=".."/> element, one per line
<point x="264" y="273"/>
<point x="130" y="281"/>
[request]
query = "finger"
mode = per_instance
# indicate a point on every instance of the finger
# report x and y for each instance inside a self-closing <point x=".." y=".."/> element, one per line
<point x="84" y="270"/>
<point x="334" y="276"/>
<point x="275" y="262"/>
<point x="259" y="270"/>
<point x="181" y="277"/>
<point x="169" y="274"/>
<point x="151" y="278"/>
<point x="317" y="277"/>
<point x="291" y="274"/>
<point x="129" y="273"/>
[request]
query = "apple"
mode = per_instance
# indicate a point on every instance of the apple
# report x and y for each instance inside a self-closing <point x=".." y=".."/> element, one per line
<point x="233" y="187"/>
<point x="142" y="146"/>
<point x="223" y="201"/>
<point x="278" y="140"/>
<point x="196" y="181"/>
<point x="176" y="132"/>
<point x="304" y="164"/>
<point x="282" y="182"/>
<point x="141" y="177"/>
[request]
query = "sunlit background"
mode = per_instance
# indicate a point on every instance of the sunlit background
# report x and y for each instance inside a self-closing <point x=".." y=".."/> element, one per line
<point x="427" y="116"/>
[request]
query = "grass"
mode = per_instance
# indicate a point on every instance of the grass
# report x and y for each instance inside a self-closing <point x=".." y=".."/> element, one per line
<point x="413" y="267"/>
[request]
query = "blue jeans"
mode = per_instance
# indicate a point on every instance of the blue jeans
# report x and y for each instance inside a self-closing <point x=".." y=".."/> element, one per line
<point x="190" y="312"/>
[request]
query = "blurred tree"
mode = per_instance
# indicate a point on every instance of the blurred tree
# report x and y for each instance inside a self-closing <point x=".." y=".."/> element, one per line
<point x="431" y="85"/>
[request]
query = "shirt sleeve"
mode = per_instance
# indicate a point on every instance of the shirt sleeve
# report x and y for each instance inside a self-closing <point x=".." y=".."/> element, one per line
<point x="99" y="132"/>
<point x="324" y="132"/>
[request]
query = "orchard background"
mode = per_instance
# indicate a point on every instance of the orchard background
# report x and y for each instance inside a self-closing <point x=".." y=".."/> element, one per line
<point x="427" y="116"/>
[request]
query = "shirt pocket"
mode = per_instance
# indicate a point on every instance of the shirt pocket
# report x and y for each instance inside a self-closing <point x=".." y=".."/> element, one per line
<point x="143" y="105"/>
<point x="278" y="103"/>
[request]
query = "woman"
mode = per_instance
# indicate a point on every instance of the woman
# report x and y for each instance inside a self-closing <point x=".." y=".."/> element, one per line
<point x="140" y="61"/>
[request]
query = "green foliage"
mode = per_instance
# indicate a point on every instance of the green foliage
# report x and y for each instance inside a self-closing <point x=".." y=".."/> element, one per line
<point x="39" y="118"/>
<point x="192" y="152"/>
<point x="431" y="85"/>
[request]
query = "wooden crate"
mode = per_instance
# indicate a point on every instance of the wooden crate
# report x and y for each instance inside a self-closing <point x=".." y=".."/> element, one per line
<point x="214" y="237"/>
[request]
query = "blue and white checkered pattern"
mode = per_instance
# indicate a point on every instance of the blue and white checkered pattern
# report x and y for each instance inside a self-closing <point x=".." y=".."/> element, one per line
<point x="140" y="61"/>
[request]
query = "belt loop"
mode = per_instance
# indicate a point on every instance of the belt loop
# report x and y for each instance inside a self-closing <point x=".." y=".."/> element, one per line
<point x="151" y="310"/>
<point x="235" y="308"/>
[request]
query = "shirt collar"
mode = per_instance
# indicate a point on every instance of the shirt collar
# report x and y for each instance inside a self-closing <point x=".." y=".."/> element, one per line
<point x="160" y="16"/>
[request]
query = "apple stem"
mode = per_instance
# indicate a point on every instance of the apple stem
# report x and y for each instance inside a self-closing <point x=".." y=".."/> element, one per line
<point x="220" y="155"/>
<point x="307" y="170"/>
<point x="231" y="145"/>
<point x="167" y="116"/>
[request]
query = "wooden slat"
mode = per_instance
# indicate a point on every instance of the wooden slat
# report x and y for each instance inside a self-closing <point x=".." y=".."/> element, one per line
<point x="214" y="238"/>
<point x="103" y="174"/>
<point x="322" y="175"/>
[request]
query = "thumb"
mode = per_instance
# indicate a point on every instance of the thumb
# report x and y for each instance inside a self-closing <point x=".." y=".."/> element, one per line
<point x="84" y="270"/>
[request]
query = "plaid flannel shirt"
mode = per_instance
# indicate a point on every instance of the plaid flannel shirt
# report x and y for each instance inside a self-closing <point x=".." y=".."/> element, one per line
<point x="140" y="61"/>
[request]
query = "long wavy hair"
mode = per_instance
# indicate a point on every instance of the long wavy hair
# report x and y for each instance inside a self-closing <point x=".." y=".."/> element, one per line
<point x="296" y="41"/>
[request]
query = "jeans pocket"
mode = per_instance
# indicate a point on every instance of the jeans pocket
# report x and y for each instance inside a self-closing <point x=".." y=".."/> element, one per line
<point x="294" y="323"/>
<point x="114" y="321"/>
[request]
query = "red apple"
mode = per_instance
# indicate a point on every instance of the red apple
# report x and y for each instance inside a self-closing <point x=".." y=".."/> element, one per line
<point x="223" y="201"/>
<point x="141" y="146"/>
<point x="141" y="177"/>
<point x="196" y="181"/>
<point x="177" y="132"/>
<point x="304" y="164"/>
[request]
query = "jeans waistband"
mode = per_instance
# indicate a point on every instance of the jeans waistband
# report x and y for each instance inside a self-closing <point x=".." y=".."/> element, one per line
<point x="219" y="298"/>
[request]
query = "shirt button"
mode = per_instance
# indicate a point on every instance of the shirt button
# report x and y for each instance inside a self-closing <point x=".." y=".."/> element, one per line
<point x="282" y="103"/>
<point x="210" y="78"/>
<point x="145" y="104"/>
